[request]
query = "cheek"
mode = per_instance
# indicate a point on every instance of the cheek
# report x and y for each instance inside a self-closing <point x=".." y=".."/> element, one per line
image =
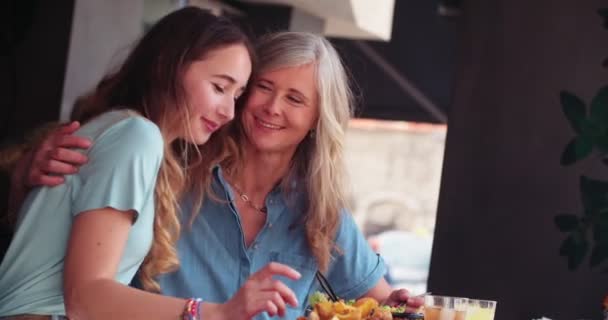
<point x="303" y="120"/>
<point x="202" y="100"/>
<point x="255" y="100"/>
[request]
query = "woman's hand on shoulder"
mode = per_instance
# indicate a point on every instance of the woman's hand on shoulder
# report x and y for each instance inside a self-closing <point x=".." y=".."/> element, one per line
<point x="54" y="157"/>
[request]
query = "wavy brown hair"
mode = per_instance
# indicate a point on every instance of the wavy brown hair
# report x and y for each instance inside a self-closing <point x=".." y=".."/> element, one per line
<point x="318" y="163"/>
<point x="150" y="83"/>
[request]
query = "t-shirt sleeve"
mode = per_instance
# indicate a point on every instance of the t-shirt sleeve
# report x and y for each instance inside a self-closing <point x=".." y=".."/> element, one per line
<point x="122" y="169"/>
<point x="357" y="269"/>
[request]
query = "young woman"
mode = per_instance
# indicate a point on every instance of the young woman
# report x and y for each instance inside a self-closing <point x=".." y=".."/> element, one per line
<point x="275" y="196"/>
<point x="78" y="245"/>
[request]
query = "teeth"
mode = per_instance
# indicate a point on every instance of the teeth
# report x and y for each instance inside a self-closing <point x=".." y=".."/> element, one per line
<point x="268" y="125"/>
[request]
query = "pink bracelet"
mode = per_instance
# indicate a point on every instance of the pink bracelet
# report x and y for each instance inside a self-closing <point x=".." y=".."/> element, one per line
<point x="192" y="309"/>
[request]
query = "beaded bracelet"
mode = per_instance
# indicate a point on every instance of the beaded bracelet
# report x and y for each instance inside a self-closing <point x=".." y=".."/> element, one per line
<point x="192" y="309"/>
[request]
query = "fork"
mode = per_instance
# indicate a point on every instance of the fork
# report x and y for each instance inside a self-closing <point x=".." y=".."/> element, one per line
<point x="326" y="287"/>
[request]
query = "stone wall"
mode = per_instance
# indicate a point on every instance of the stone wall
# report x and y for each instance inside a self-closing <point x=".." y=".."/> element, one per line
<point x="395" y="172"/>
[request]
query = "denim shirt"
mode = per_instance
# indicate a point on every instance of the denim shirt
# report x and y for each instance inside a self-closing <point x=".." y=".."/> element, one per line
<point x="215" y="263"/>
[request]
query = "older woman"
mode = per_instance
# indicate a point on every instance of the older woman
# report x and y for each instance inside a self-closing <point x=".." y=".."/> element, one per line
<point x="275" y="197"/>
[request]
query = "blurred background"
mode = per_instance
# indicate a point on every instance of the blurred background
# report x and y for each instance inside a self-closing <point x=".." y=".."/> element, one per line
<point x="454" y="151"/>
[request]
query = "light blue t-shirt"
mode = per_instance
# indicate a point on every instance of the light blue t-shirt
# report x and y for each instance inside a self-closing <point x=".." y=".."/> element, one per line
<point x="214" y="262"/>
<point x="121" y="173"/>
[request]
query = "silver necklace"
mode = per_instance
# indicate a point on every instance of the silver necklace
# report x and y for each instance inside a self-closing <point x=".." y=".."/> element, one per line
<point x="248" y="201"/>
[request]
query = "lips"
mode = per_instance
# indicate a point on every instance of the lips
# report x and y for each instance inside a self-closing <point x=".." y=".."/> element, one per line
<point x="210" y="125"/>
<point x="267" y="125"/>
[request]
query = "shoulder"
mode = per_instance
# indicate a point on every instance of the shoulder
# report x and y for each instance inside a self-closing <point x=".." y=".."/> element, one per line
<point x="125" y="132"/>
<point x="347" y="227"/>
<point x="137" y="129"/>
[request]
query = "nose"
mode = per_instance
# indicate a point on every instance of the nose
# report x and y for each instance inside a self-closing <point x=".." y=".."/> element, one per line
<point x="273" y="106"/>
<point x="226" y="110"/>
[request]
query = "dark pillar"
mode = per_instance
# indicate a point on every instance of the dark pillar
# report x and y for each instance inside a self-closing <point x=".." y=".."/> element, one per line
<point x="502" y="182"/>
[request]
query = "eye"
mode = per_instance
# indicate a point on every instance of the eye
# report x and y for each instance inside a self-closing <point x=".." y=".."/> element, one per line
<point x="263" y="86"/>
<point x="295" y="99"/>
<point x="217" y="88"/>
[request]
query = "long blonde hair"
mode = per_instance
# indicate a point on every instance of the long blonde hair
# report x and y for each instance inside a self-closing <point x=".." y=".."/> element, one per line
<point x="150" y="82"/>
<point x="319" y="157"/>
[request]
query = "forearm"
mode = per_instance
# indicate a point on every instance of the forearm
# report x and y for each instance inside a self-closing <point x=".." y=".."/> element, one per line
<point x="107" y="299"/>
<point x="381" y="291"/>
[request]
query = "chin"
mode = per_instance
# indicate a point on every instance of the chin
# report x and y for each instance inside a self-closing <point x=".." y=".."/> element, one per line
<point x="266" y="146"/>
<point x="202" y="140"/>
<point x="199" y="140"/>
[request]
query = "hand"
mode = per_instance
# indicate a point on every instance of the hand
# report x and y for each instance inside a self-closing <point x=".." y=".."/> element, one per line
<point x="53" y="158"/>
<point x="402" y="296"/>
<point x="262" y="293"/>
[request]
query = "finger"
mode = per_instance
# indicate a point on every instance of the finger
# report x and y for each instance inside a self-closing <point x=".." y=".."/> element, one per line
<point x="276" y="269"/>
<point x="278" y="302"/>
<point x="69" y="128"/>
<point x="57" y="167"/>
<point x="400" y="295"/>
<point x="71" y="141"/>
<point x="415" y="302"/>
<point x="46" y="180"/>
<point x="266" y="303"/>
<point x="284" y="291"/>
<point x="69" y="156"/>
<point x="409" y="309"/>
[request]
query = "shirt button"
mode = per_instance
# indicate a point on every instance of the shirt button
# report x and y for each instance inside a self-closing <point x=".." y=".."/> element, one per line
<point x="255" y="246"/>
<point x="270" y="226"/>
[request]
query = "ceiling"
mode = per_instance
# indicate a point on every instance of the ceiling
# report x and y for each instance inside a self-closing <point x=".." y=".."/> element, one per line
<point x="407" y="78"/>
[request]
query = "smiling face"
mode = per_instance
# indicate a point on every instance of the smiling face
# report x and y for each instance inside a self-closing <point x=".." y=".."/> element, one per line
<point x="281" y="109"/>
<point x="212" y="85"/>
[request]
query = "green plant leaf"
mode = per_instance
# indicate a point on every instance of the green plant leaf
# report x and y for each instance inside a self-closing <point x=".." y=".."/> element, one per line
<point x="594" y="194"/>
<point x="598" y="110"/>
<point x="579" y="251"/>
<point x="577" y="149"/>
<point x="603" y="12"/>
<point x="601" y="142"/>
<point x="600" y="228"/>
<point x="598" y="254"/>
<point x="567" y="247"/>
<point x="566" y="222"/>
<point x="574" y="110"/>
<point x="592" y="128"/>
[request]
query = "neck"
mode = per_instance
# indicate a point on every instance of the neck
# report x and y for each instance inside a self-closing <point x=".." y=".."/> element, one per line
<point x="261" y="172"/>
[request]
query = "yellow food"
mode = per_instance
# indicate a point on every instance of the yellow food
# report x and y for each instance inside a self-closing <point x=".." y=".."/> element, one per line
<point x="366" y="305"/>
<point x="362" y="309"/>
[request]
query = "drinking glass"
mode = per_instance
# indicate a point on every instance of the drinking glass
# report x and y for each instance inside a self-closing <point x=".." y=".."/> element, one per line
<point x="481" y="309"/>
<point x="444" y="308"/>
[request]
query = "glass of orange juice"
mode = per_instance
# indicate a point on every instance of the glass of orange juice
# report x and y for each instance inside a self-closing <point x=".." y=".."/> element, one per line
<point x="481" y="309"/>
<point x="445" y="308"/>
